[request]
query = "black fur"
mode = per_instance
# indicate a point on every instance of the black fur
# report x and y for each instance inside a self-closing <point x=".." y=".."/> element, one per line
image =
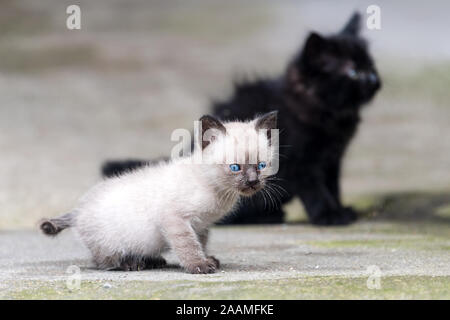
<point x="319" y="97"/>
<point x="133" y="263"/>
<point x="115" y="168"/>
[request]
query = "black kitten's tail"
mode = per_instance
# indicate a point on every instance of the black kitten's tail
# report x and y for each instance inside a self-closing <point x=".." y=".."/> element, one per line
<point x="116" y="168"/>
<point x="52" y="227"/>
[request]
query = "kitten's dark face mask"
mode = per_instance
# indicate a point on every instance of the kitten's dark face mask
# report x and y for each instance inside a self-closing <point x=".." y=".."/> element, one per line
<point x="338" y="69"/>
<point x="247" y="178"/>
<point x="253" y="160"/>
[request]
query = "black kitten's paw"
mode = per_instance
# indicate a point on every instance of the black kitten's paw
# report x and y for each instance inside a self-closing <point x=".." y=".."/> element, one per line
<point x="154" y="262"/>
<point x="215" y="261"/>
<point x="341" y="217"/>
<point x="206" y="266"/>
<point x="139" y="264"/>
<point x="352" y="214"/>
<point x="131" y="265"/>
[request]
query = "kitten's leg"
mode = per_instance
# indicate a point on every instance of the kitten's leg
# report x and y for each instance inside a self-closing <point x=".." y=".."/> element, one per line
<point x="332" y="175"/>
<point x="332" y="180"/>
<point x="203" y="237"/>
<point x="106" y="262"/>
<point x="320" y="204"/>
<point x="183" y="240"/>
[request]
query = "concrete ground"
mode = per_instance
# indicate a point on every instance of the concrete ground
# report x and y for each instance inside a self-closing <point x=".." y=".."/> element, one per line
<point x="120" y="85"/>
<point x="371" y="259"/>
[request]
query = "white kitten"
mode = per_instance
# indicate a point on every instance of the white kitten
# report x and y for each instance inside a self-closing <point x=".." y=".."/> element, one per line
<point x="129" y="220"/>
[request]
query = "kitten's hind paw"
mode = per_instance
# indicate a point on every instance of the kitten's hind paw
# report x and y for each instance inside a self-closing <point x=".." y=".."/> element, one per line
<point x="206" y="266"/>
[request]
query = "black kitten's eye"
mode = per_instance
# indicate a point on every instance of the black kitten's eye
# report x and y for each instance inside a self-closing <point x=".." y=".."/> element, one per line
<point x="352" y="74"/>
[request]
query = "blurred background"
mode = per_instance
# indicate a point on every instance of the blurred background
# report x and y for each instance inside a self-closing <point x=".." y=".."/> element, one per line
<point x="69" y="99"/>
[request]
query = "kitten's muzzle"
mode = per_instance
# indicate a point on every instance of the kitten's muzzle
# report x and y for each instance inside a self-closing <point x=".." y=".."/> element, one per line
<point x="250" y="188"/>
<point x="252" y="183"/>
<point x="372" y="81"/>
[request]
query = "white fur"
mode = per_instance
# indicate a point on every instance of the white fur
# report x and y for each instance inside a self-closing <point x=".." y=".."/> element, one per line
<point x="132" y="214"/>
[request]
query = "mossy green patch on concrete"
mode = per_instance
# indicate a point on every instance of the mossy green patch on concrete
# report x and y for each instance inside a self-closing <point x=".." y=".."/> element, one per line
<point x="328" y="287"/>
<point x="416" y="243"/>
<point x="407" y="207"/>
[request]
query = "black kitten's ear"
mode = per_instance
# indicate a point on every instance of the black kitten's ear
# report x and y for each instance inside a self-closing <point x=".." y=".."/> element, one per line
<point x="314" y="45"/>
<point x="267" y="121"/>
<point x="353" y="25"/>
<point x="315" y="42"/>
<point x="211" y="126"/>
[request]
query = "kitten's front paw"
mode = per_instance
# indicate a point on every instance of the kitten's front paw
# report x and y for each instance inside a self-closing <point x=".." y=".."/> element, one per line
<point x="206" y="266"/>
<point x="343" y="216"/>
<point x="350" y="214"/>
<point x="215" y="261"/>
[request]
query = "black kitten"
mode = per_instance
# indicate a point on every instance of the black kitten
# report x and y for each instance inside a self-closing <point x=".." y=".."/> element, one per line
<point x="318" y="97"/>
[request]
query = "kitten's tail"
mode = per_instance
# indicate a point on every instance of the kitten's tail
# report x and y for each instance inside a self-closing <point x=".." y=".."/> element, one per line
<point x="52" y="227"/>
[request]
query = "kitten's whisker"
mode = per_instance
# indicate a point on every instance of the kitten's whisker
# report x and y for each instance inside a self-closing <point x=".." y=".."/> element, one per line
<point x="272" y="206"/>
<point x="225" y="196"/>
<point x="274" y="185"/>
<point x="269" y="196"/>
<point x="276" y="200"/>
<point x="275" y="178"/>
<point x="264" y="197"/>
<point x="274" y="190"/>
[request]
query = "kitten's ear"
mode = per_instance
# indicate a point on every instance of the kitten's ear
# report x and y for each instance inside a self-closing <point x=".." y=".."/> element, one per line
<point x="211" y="126"/>
<point x="267" y="122"/>
<point x="314" y="45"/>
<point x="353" y="25"/>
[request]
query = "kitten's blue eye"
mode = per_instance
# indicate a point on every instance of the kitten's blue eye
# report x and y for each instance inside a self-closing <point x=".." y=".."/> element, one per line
<point x="235" y="167"/>
<point x="261" y="165"/>
<point x="352" y="73"/>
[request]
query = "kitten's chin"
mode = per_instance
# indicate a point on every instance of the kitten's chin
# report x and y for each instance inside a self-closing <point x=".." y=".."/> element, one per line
<point x="248" y="192"/>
